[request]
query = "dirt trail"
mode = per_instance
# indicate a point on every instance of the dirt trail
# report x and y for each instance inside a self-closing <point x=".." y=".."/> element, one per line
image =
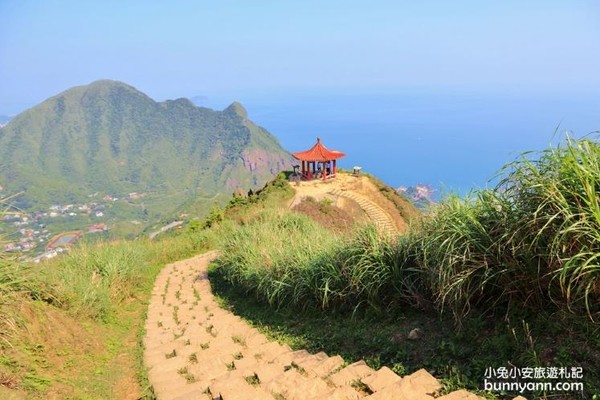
<point x="196" y="350"/>
<point x="360" y="191"/>
<point x="381" y="219"/>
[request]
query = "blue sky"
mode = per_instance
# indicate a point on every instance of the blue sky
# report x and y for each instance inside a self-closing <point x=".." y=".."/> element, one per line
<point x="230" y="49"/>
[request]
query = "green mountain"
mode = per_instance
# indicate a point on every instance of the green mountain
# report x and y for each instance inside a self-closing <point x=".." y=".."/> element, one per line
<point x="109" y="138"/>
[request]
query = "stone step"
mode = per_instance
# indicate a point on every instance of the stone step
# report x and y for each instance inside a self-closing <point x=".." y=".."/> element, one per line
<point x="321" y="364"/>
<point x="267" y="352"/>
<point x="268" y="372"/>
<point x="350" y="373"/>
<point x="381" y="379"/>
<point x="380" y="218"/>
<point x="292" y="385"/>
<point x="193" y="394"/>
<point x="235" y="387"/>
<point x="256" y="339"/>
<point x="291" y="357"/>
<point x="165" y="377"/>
<point x="241" y="364"/>
<point x="159" y="359"/>
<point x="341" y="393"/>
<point x="184" y="391"/>
<point x="419" y="385"/>
<point x="328" y="366"/>
<point x="460" y="395"/>
<point x="209" y="369"/>
<point x="309" y="359"/>
<point x="246" y="363"/>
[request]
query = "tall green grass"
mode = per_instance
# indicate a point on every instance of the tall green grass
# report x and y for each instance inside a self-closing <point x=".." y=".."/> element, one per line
<point x="16" y="282"/>
<point x="272" y="256"/>
<point x="288" y="259"/>
<point x="12" y="283"/>
<point x="94" y="287"/>
<point x="456" y="249"/>
<point x="556" y="201"/>
<point x="532" y="241"/>
<point x="91" y="280"/>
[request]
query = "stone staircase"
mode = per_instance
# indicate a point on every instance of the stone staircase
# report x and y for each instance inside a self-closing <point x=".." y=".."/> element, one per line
<point x="196" y="350"/>
<point x="380" y="218"/>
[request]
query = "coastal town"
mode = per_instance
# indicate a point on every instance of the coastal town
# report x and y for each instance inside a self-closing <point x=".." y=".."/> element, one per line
<point x="44" y="234"/>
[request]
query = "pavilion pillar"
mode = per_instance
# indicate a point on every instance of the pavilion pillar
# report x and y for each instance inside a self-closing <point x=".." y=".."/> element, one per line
<point x="334" y="167"/>
<point x="325" y="170"/>
<point x="303" y="171"/>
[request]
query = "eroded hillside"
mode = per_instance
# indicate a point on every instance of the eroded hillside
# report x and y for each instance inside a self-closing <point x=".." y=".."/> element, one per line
<point x="365" y="199"/>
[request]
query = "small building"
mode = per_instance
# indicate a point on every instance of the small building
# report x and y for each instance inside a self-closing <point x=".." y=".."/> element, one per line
<point x="97" y="228"/>
<point x="318" y="161"/>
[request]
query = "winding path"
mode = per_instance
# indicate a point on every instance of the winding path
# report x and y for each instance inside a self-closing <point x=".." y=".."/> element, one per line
<point x="196" y="350"/>
<point x="381" y="219"/>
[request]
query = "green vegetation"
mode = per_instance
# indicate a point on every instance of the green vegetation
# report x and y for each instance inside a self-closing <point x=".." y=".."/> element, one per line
<point x="327" y="214"/>
<point x="527" y="251"/>
<point x="459" y="357"/>
<point x="287" y="258"/>
<point x="402" y="204"/>
<point x="109" y="138"/>
<point x="243" y="208"/>
<point x="72" y="327"/>
<point x="505" y="277"/>
<point x="532" y="240"/>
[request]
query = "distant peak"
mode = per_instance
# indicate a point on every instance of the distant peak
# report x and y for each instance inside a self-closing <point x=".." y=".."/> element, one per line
<point x="99" y="86"/>
<point x="236" y="109"/>
<point x="100" y="89"/>
<point x="107" y="83"/>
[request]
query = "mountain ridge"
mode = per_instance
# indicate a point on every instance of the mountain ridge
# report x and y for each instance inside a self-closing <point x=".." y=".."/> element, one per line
<point x="109" y="137"/>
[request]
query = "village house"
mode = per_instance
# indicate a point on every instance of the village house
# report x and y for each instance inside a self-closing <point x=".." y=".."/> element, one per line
<point x="97" y="228"/>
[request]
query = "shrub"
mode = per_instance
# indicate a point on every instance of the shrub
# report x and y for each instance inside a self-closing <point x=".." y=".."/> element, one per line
<point x="555" y="200"/>
<point x="289" y="259"/>
<point x="535" y="238"/>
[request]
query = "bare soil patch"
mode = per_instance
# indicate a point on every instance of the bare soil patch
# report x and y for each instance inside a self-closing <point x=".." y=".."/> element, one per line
<point x="325" y="213"/>
<point x="400" y="210"/>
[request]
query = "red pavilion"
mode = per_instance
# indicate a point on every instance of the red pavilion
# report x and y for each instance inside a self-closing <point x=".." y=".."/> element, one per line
<point x="318" y="161"/>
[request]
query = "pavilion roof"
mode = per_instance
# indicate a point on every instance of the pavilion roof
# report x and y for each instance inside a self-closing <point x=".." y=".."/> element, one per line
<point x="318" y="153"/>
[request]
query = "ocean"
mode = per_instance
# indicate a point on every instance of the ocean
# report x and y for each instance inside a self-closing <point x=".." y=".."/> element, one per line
<point x="455" y="141"/>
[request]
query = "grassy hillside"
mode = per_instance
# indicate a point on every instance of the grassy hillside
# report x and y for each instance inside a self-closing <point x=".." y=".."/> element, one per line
<point x="72" y="327"/>
<point x="108" y="137"/>
<point x="518" y="263"/>
<point x="506" y="277"/>
<point x="531" y="241"/>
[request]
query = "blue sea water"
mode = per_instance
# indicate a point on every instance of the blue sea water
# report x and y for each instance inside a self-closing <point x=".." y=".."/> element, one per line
<point x="453" y="140"/>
